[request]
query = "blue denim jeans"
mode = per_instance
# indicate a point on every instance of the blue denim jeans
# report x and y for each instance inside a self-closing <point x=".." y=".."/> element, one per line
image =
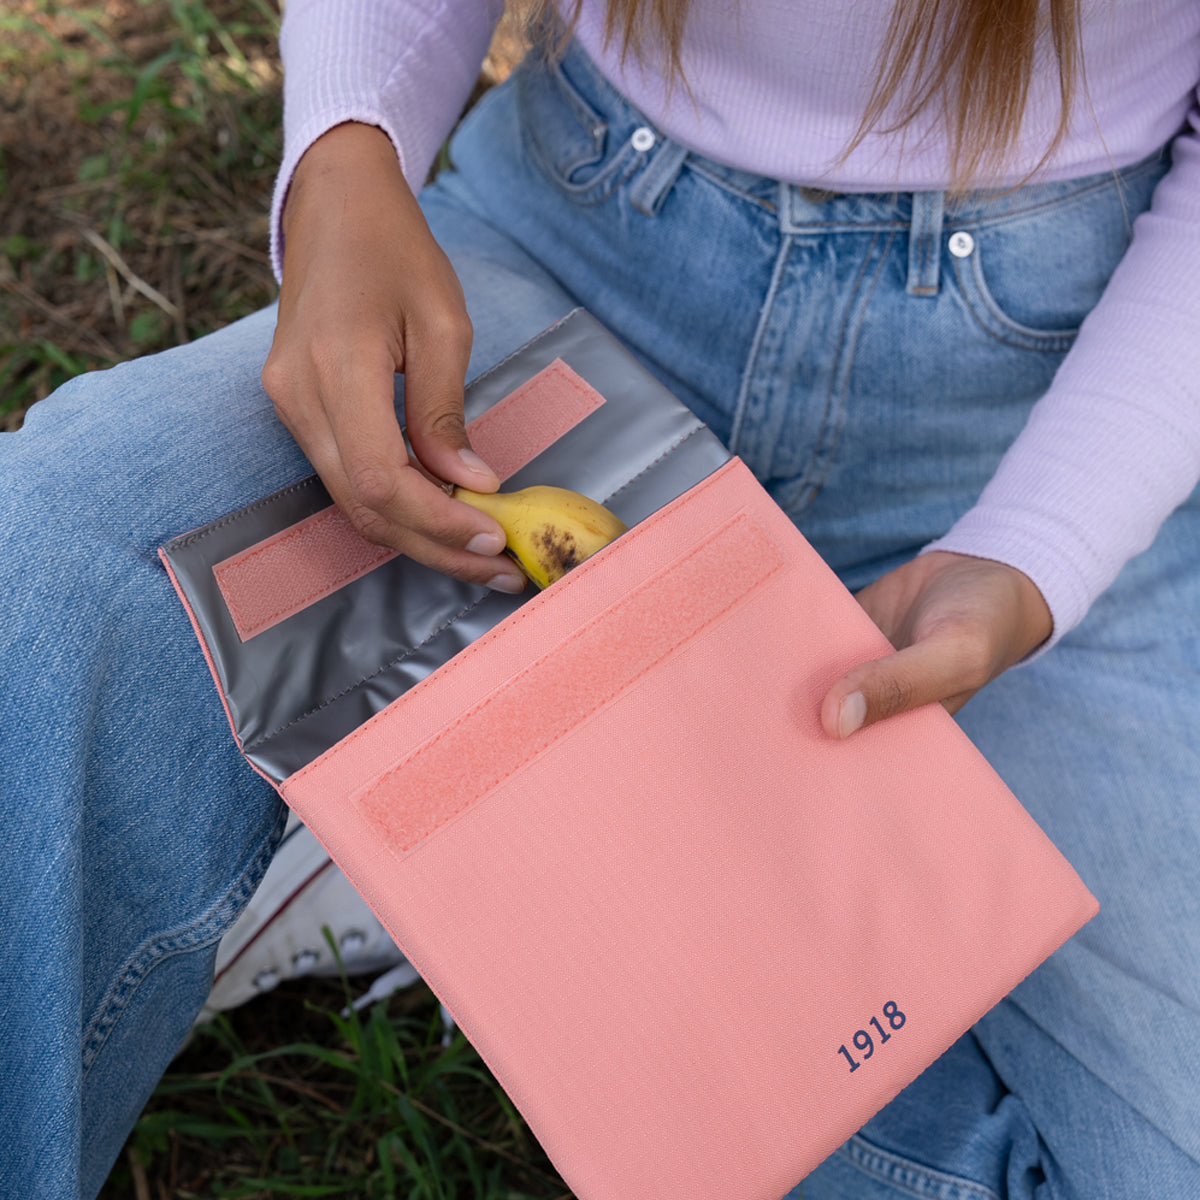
<point x="871" y="367"/>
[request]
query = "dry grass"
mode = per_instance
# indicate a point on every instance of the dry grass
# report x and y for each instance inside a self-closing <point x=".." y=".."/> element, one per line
<point x="138" y="144"/>
<point x="139" y="141"/>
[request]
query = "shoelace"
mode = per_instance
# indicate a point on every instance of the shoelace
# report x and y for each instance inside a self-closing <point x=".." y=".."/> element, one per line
<point x="400" y="976"/>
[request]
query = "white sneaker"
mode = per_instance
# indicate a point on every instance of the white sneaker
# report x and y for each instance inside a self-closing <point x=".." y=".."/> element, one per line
<point x="280" y="934"/>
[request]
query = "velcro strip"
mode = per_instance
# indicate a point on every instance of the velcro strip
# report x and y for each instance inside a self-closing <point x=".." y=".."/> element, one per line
<point x="530" y="419"/>
<point x="270" y="581"/>
<point x="556" y="693"/>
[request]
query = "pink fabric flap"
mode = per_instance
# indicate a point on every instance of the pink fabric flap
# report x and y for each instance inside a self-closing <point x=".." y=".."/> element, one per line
<point x="614" y="839"/>
<point x="283" y="574"/>
<point x="496" y="738"/>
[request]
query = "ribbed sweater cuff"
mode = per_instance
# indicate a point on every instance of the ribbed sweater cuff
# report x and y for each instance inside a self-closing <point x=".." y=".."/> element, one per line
<point x="406" y="68"/>
<point x="1085" y="488"/>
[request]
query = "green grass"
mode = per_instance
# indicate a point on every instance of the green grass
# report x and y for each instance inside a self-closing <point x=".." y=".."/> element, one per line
<point x="379" y="1105"/>
<point x="140" y="140"/>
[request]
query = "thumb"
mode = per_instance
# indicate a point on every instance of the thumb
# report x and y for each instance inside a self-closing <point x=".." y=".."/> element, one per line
<point x="926" y="672"/>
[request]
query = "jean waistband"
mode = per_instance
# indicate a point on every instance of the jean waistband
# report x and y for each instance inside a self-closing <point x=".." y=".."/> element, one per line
<point x="809" y="207"/>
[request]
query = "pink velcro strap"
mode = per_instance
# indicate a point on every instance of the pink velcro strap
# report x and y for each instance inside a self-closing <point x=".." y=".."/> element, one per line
<point x="285" y="573"/>
<point x="270" y="581"/>
<point x="552" y="696"/>
<point x="532" y="418"/>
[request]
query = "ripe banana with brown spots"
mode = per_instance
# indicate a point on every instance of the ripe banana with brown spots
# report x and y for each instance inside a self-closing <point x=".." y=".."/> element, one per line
<point x="548" y="530"/>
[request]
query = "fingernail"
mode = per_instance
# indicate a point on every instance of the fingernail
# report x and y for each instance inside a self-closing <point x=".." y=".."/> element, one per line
<point x="852" y="714"/>
<point x="475" y="463"/>
<point x="486" y="543"/>
<point x="512" y="584"/>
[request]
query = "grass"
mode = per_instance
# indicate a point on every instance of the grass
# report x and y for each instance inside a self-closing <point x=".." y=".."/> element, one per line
<point x="139" y="141"/>
<point x="138" y="144"/>
<point x="287" y="1097"/>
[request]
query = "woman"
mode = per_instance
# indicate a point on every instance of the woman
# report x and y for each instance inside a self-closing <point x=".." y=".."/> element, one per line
<point x="861" y="246"/>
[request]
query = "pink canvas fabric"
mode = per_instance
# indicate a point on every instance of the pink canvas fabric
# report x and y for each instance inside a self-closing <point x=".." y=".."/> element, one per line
<point x="285" y="573"/>
<point x="699" y="942"/>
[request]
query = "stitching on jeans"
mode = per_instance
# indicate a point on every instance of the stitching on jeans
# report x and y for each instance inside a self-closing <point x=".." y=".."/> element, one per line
<point x="1119" y="178"/>
<point x="742" y="403"/>
<point x="821" y="474"/>
<point x="926" y="221"/>
<point x="884" y="1165"/>
<point x="601" y="186"/>
<point x="715" y="179"/>
<point x="966" y="217"/>
<point x="206" y="929"/>
<point x="1004" y="329"/>
<point x="581" y="107"/>
<point x="814" y="484"/>
<point x="926" y="242"/>
<point x="933" y="246"/>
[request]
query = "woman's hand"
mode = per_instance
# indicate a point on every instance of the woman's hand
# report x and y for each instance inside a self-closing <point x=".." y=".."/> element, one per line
<point x="956" y="622"/>
<point x="368" y="292"/>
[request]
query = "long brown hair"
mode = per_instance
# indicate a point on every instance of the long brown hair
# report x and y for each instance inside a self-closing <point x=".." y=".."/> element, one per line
<point x="973" y="59"/>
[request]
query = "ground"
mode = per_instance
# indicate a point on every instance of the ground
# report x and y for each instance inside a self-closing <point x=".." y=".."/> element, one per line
<point x="139" y="141"/>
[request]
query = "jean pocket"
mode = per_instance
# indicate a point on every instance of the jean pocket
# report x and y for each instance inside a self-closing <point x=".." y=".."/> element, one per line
<point x="570" y="140"/>
<point x="1029" y="277"/>
<point x="993" y="315"/>
<point x="861" y="1169"/>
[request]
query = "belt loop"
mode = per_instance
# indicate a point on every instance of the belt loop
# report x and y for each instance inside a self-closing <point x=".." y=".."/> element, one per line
<point x="658" y="177"/>
<point x="925" y="243"/>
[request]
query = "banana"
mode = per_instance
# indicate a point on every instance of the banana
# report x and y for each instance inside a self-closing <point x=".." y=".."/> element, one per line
<point x="548" y="530"/>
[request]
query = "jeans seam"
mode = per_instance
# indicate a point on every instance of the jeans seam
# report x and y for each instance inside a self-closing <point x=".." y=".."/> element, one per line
<point x="743" y="398"/>
<point x="889" y="1169"/>
<point x="843" y="357"/>
<point x="1003" y="328"/>
<point x="963" y="220"/>
<point x="1119" y="177"/>
<point x="692" y="163"/>
<point x="208" y="928"/>
<point x="600" y="186"/>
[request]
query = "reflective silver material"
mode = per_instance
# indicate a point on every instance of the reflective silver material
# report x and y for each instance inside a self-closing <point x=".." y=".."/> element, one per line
<point x="299" y="687"/>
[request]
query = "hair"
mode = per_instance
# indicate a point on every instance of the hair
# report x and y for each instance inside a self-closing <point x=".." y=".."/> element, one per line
<point x="973" y="59"/>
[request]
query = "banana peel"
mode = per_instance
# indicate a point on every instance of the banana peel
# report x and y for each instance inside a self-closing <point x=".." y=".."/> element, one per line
<point x="548" y="530"/>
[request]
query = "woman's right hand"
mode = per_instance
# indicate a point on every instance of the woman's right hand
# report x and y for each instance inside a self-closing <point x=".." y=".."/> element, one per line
<point x="368" y="292"/>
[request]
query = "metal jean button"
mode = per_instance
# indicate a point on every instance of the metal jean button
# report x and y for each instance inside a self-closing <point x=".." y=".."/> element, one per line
<point x="961" y="243"/>
<point x="643" y="138"/>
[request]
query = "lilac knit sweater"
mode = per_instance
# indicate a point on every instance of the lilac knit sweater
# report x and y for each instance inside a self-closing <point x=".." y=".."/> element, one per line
<point x="778" y="89"/>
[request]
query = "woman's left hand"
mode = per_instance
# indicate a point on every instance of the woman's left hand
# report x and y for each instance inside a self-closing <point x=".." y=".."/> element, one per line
<point x="956" y="622"/>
